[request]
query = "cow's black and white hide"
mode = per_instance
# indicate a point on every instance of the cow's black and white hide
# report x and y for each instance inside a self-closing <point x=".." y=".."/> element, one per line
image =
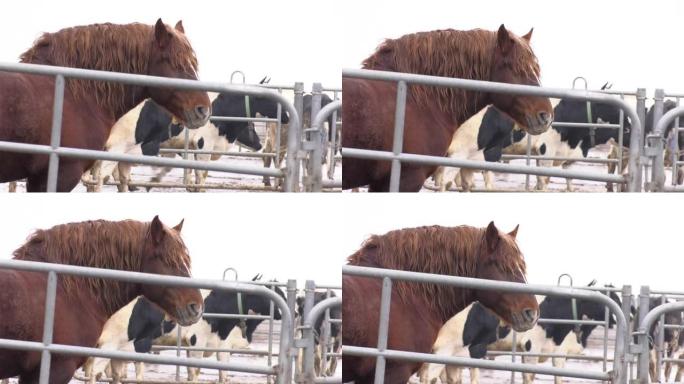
<point x="453" y="338"/>
<point x="329" y="366"/>
<point x="490" y="134"/>
<point x="140" y="324"/>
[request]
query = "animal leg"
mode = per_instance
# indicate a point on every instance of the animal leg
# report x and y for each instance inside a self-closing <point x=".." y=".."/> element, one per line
<point x="474" y="375"/>
<point x="528" y="378"/>
<point x="223" y="357"/>
<point x="488" y="179"/>
<point x="558" y="362"/>
<point x="139" y="371"/>
<point x="467" y="180"/>
<point x="454" y="374"/>
<point x="193" y="373"/>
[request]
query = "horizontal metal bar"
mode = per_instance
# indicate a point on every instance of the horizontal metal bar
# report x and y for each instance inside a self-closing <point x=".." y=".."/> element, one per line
<point x="585" y="125"/>
<point x="551" y="355"/>
<point x="222" y="153"/>
<point x="673" y="326"/>
<point x="328" y="380"/>
<point x="567" y="321"/>
<point x="148" y="184"/>
<point x="335" y="321"/>
<point x="130" y="356"/>
<point x="244" y="119"/>
<point x="234" y="316"/>
<point x="560" y="158"/>
<point x="148" y="160"/>
<point x="134" y="381"/>
<point x="331" y="184"/>
<point x="229" y="350"/>
<point x="471" y="164"/>
<point x="476" y="363"/>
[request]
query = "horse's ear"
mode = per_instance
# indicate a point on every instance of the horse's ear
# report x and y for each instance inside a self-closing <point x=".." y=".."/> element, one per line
<point x="492" y="236"/>
<point x="162" y="35"/>
<point x="157" y="230"/>
<point x="528" y="35"/>
<point x="514" y="232"/>
<point x="504" y="41"/>
<point x="179" y="226"/>
<point x="179" y="26"/>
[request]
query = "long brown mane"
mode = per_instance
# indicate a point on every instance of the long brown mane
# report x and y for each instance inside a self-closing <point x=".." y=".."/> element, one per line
<point x="106" y="47"/>
<point x="454" y="251"/>
<point x="448" y="53"/>
<point x="101" y="244"/>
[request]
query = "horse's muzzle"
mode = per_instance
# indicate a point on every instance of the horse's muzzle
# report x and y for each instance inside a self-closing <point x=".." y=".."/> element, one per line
<point x="524" y="320"/>
<point x="539" y="124"/>
<point x="197" y="116"/>
<point x="189" y="315"/>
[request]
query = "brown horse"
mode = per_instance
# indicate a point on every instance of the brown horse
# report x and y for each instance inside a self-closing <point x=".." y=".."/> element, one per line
<point x="418" y="311"/>
<point x="92" y="107"/>
<point x="432" y="113"/>
<point x="84" y="304"/>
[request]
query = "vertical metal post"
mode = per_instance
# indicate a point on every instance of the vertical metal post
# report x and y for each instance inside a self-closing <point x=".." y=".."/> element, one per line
<point x="627" y="312"/>
<point x="333" y="141"/>
<point x="48" y="326"/>
<point x="514" y="349"/>
<point x="294" y="141"/>
<point x="636" y="141"/>
<point x="56" y="133"/>
<point x="398" y="143"/>
<point x="383" y="328"/>
<point x="675" y="148"/>
<point x="291" y="304"/>
<point x="178" y="350"/>
<point x="186" y="146"/>
<point x="279" y="127"/>
<point x="270" y="335"/>
<point x="606" y="325"/>
<point x="528" y="153"/>
<point x="642" y="367"/>
<point x="660" y="341"/>
<point x="656" y="140"/>
<point x="621" y="133"/>
<point x="315" y="157"/>
<point x="325" y="336"/>
<point x="308" y="331"/>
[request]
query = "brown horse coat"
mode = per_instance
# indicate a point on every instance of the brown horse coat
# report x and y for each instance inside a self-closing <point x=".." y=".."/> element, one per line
<point x="418" y="311"/>
<point x="90" y="107"/>
<point x="434" y="113"/>
<point x="83" y="305"/>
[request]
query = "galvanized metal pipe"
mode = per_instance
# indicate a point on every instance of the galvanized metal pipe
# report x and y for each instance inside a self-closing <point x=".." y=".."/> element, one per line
<point x="398" y="138"/>
<point x="55" y="134"/>
<point x="48" y="326"/>
<point x="308" y="333"/>
<point x="642" y="335"/>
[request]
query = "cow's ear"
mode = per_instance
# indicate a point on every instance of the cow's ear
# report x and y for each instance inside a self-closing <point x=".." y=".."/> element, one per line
<point x="514" y="232"/>
<point x="492" y="237"/>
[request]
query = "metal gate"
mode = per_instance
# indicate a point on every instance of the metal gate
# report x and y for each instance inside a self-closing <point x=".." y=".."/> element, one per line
<point x="632" y="178"/>
<point x="619" y="373"/>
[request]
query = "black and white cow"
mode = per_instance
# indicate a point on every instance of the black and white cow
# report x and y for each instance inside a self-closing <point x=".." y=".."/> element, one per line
<point x="475" y="330"/>
<point x="140" y="324"/>
<point x="335" y="337"/>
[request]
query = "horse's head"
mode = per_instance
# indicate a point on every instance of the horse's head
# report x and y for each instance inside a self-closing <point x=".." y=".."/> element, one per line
<point x="515" y="63"/>
<point x="171" y="55"/>
<point x="501" y="259"/>
<point x="164" y="253"/>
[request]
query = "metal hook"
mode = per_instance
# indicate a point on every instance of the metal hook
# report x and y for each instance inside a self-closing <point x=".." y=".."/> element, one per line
<point x="235" y="73"/>
<point x="578" y="78"/>
<point x="230" y="269"/>
<point x="564" y="275"/>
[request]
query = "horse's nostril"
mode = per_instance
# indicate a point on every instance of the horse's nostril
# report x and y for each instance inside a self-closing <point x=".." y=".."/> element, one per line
<point x="195" y="309"/>
<point x="530" y="314"/>
<point x="202" y="111"/>
<point x="544" y="117"/>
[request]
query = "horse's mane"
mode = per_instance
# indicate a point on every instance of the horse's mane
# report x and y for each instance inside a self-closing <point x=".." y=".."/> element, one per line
<point x="454" y="251"/>
<point x="449" y="53"/>
<point x="115" y="245"/>
<point x="106" y="47"/>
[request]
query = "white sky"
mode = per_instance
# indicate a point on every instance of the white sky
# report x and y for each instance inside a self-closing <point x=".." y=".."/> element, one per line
<point x="619" y="239"/>
<point x="280" y="39"/>
<point x="254" y="233"/>
<point x="630" y="43"/>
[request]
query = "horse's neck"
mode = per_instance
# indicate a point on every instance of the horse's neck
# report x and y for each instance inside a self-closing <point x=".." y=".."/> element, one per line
<point x="134" y="96"/>
<point x="92" y="301"/>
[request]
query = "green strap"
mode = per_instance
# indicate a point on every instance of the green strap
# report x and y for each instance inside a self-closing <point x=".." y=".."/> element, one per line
<point x="248" y="111"/>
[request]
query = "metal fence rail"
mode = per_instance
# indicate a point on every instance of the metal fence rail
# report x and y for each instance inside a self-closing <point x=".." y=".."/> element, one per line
<point x="632" y="179"/>
<point x="618" y="374"/>
<point x="47" y="347"/>
<point x="317" y="311"/>
<point x="54" y="150"/>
